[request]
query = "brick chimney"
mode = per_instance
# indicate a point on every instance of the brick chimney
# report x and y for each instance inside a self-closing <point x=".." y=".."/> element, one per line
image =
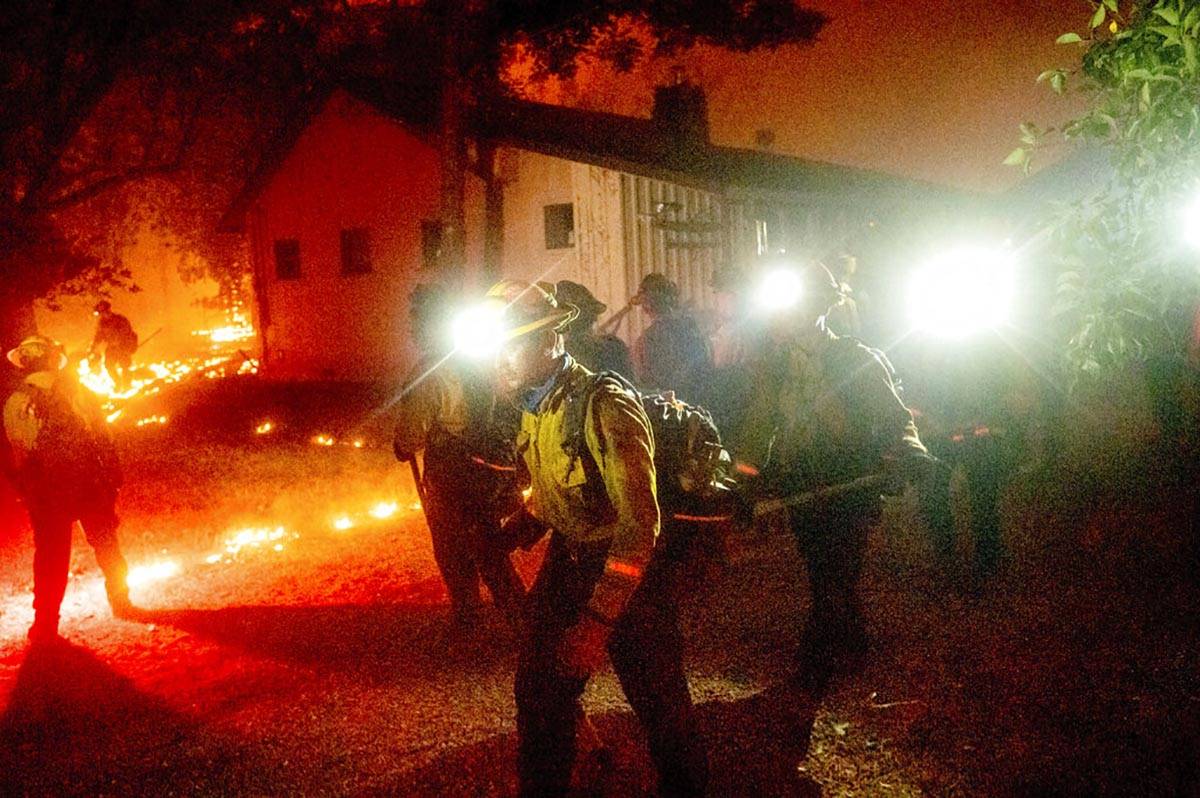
<point x="681" y="110"/>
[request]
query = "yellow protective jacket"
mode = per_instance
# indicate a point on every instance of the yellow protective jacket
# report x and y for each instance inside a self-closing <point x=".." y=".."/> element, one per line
<point x="617" y="502"/>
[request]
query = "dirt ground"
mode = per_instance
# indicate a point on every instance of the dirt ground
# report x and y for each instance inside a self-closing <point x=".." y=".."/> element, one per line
<point x="286" y="655"/>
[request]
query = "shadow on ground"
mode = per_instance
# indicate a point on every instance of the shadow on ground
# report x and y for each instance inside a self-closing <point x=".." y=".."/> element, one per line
<point x="754" y="747"/>
<point x="73" y="726"/>
<point x="377" y="641"/>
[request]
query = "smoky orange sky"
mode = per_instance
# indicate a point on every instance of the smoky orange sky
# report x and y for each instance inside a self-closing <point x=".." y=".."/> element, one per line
<point x="931" y="89"/>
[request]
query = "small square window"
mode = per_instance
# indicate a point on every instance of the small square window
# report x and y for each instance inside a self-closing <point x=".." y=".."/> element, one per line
<point x="287" y="259"/>
<point x="431" y="243"/>
<point x="356" y="251"/>
<point x="560" y="225"/>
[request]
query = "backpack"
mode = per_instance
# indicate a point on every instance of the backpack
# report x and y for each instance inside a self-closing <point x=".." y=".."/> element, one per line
<point x="67" y="454"/>
<point x="691" y="466"/>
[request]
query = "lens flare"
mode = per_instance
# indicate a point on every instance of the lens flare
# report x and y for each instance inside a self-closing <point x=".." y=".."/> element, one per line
<point x="778" y="290"/>
<point x="478" y="331"/>
<point x="962" y="292"/>
<point x="1190" y="221"/>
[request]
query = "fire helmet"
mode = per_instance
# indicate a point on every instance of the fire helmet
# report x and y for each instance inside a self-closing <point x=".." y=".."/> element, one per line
<point x="529" y="307"/>
<point x="38" y="353"/>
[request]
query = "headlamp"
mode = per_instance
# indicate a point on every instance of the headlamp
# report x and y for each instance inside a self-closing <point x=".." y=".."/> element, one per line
<point x="1190" y="221"/>
<point x="778" y="289"/>
<point x="479" y="331"/>
<point x="964" y="291"/>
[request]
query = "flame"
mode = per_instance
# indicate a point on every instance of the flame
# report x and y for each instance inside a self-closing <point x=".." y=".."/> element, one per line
<point x="323" y="440"/>
<point x="253" y="537"/>
<point x="415" y="506"/>
<point x="358" y="443"/>
<point x="525" y="494"/>
<point x="155" y="572"/>
<point x="264" y="428"/>
<point x="142" y="422"/>
<point x="342" y="524"/>
<point x="384" y="510"/>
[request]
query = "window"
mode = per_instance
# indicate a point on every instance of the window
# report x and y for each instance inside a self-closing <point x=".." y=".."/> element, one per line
<point x="287" y="258"/>
<point x="560" y="225"/>
<point x="431" y="243"/>
<point x="356" y="251"/>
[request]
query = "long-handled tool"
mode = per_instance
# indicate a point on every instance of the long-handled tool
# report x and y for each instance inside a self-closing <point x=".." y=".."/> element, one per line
<point x="415" y="468"/>
<point x="821" y="495"/>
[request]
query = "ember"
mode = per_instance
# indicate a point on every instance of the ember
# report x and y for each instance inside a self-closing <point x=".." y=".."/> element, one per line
<point x="343" y="523"/>
<point x="155" y="572"/>
<point x="142" y="422"/>
<point x="323" y="440"/>
<point x="384" y="510"/>
<point x="264" y="428"/>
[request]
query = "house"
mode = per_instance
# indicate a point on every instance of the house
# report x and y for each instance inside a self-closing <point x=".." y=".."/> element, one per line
<point x="341" y="219"/>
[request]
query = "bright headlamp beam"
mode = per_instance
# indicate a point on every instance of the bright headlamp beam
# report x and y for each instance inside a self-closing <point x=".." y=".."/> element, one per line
<point x="1190" y="221"/>
<point x="478" y="331"/>
<point x="779" y="289"/>
<point x="964" y="291"/>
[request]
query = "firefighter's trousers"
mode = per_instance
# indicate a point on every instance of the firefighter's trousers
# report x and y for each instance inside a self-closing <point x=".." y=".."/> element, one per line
<point x="646" y="653"/>
<point x="52" y="521"/>
<point x="989" y="464"/>
<point x="468" y="548"/>
<point x="833" y="542"/>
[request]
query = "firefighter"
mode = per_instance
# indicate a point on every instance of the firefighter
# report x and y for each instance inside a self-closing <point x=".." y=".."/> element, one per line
<point x="590" y="349"/>
<point x="468" y="483"/>
<point x="976" y="409"/>
<point x="116" y="340"/>
<point x="672" y="354"/>
<point x="65" y="468"/>
<point x="826" y="414"/>
<point x="604" y="584"/>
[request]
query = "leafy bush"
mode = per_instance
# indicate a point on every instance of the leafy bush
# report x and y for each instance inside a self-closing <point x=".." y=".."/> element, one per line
<point x="1127" y="283"/>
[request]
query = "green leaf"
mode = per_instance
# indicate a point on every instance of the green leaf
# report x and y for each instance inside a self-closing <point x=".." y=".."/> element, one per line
<point x="1169" y="14"/>
<point x="1111" y="5"/>
<point x="1170" y="35"/>
<point x="1191" y="21"/>
<point x="1099" y="16"/>
<point x="1069" y="38"/>
<point x="1017" y="157"/>
<point x="1189" y="53"/>
<point x="1058" y="82"/>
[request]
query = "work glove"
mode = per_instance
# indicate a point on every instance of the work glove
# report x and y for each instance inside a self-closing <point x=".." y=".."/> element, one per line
<point x="914" y="466"/>
<point x="522" y="530"/>
<point x="402" y="454"/>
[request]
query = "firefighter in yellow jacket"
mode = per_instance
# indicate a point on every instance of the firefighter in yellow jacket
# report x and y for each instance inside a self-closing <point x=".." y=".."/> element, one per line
<point x="603" y="584"/>
<point x="65" y="468"/>
<point x="826" y="420"/>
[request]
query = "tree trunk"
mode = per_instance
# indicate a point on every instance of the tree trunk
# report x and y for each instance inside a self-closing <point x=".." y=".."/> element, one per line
<point x="493" y="232"/>
<point x="452" y="144"/>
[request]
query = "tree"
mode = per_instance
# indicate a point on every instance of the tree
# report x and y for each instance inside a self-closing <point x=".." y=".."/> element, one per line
<point x="103" y="99"/>
<point x="1127" y="286"/>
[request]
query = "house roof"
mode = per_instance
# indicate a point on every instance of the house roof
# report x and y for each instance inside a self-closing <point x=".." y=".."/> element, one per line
<point x="636" y="145"/>
<point x="644" y="146"/>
